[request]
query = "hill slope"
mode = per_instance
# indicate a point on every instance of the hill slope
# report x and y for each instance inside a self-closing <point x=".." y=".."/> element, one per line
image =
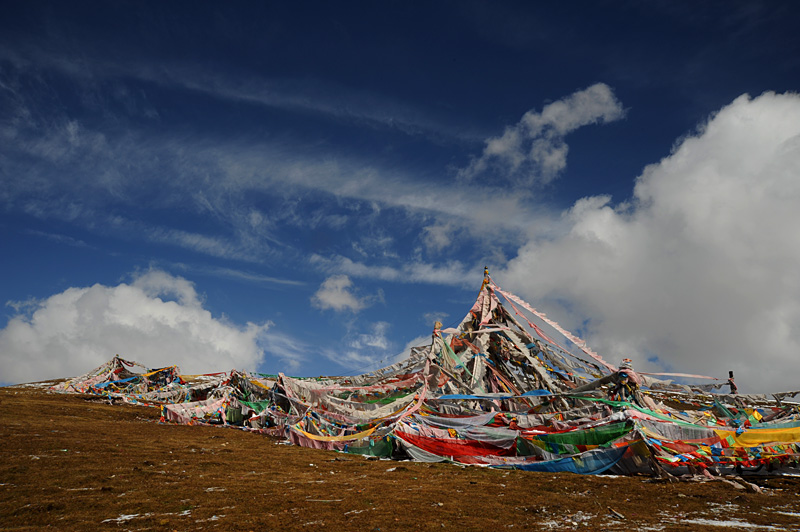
<point x="73" y="462"/>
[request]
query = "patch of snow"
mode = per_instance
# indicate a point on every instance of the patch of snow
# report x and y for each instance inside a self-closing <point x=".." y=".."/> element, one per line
<point x="122" y="518"/>
<point x="723" y="508"/>
<point x="212" y="518"/>
<point x="731" y="523"/>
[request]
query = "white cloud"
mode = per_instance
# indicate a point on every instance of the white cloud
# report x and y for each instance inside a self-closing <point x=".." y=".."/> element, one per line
<point x="158" y="284"/>
<point x="534" y="149"/>
<point x="335" y="294"/>
<point x="376" y="339"/>
<point x="700" y="269"/>
<point x="156" y="320"/>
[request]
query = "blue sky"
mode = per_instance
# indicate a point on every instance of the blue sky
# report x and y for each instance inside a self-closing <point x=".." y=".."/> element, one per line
<point x="306" y="188"/>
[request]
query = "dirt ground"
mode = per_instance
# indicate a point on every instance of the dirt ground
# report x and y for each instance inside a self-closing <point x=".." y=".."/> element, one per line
<point x="72" y="462"/>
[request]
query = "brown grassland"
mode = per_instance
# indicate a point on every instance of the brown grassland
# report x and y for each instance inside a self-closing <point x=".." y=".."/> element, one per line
<point x="71" y="462"/>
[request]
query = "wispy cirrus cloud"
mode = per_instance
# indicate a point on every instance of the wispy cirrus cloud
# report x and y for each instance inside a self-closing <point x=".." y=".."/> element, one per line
<point x="58" y="238"/>
<point x="323" y="98"/>
<point x="251" y="195"/>
<point x="253" y="190"/>
<point x="242" y="275"/>
<point x="453" y="273"/>
<point x="116" y="164"/>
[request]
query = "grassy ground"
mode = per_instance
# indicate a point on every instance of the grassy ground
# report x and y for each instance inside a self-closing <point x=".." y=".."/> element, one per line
<point x="78" y="463"/>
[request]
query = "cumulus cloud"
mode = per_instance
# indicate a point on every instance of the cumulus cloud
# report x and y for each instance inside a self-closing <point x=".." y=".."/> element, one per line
<point x="698" y="273"/>
<point x="335" y="294"/>
<point x="157" y="320"/>
<point x="534" y="150"/>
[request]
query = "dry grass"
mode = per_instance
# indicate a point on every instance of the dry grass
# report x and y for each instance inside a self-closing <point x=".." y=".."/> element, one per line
<point x="76" y="463"/>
